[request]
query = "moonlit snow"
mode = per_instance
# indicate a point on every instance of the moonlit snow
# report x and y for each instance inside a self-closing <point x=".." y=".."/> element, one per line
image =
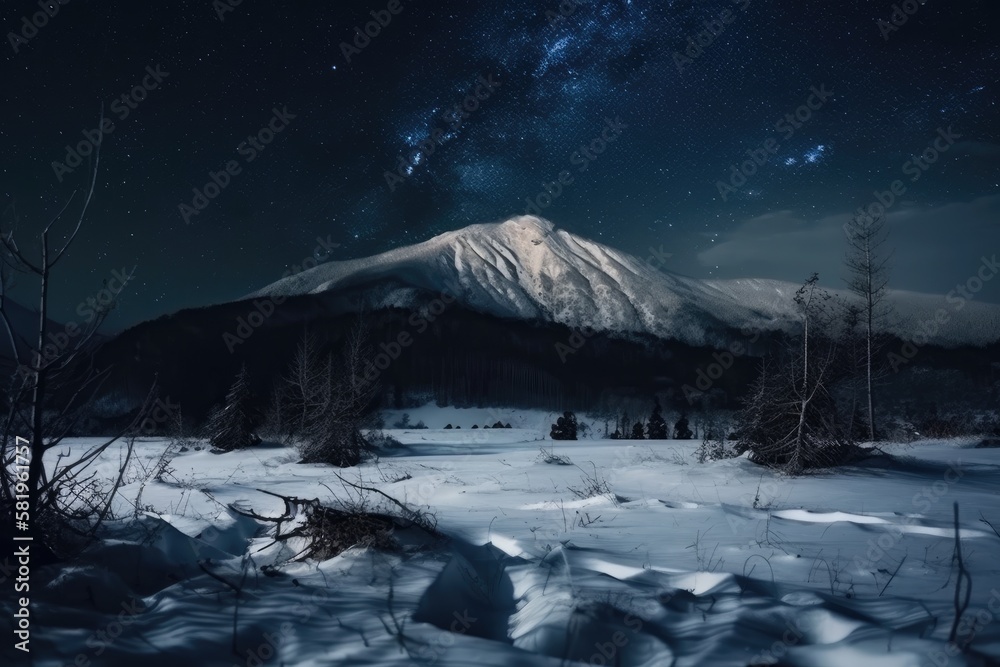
<point x="678" y="563"/>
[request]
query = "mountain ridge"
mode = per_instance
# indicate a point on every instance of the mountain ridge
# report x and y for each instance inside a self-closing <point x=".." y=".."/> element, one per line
<point x="525" y="268"/>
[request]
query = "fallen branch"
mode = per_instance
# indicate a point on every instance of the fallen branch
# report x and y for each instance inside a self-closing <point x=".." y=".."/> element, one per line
<point x="893" y="576"/>
<point x="330" y="531"/>
<point x="992" y="527"/>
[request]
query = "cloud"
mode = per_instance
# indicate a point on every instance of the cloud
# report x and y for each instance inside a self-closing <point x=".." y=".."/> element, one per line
<point x="983" y="149"/>
<point x="931" y="245"/>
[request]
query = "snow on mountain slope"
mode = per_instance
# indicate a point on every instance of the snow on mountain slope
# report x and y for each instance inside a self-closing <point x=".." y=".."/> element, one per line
<point x="524" y="268"/>
<point x="914" y="313"/>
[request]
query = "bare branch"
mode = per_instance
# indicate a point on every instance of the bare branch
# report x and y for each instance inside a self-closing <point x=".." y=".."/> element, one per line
<point x="86" y="203"/>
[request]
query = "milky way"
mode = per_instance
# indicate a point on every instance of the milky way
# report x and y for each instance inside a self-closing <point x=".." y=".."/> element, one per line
<point x="698" y="84"/>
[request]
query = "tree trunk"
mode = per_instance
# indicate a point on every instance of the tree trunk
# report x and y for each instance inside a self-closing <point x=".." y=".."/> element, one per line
<point x="35" y="468"/>
<point x="870" y="334"/>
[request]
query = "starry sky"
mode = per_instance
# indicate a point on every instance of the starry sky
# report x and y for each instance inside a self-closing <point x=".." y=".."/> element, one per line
<point x="691" y="106"/>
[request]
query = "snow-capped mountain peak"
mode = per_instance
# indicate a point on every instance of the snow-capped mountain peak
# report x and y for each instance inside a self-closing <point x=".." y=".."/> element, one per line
<point x="525" y="268"/>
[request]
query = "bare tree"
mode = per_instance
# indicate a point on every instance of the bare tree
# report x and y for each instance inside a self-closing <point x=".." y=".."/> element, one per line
<point x="867" y="261"/>
<point x="275" y="419"/>
<point x="336" y="401"/>
<point x="852" y="344"/>
<point x="790" y="419"/>
<point x="51" y="388"/>
<point x="357" y="360"/>
<point x="300" y="391"/>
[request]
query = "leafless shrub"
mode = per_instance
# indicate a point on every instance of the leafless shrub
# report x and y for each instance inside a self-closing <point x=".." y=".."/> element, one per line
<point x="550" y="457"/>
<point x="593" y="485"/>
<point x="713" y="445"/>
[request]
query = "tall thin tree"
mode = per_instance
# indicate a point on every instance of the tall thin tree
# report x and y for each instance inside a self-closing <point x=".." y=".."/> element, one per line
<point x="867" y="260"/>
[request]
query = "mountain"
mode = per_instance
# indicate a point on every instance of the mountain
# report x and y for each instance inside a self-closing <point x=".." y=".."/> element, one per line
<point x="24" y="326"/>
<point x="493" y="315"/>
<point x="526" y="269"/>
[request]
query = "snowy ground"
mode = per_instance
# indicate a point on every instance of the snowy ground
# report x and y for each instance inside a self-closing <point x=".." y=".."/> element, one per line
<point x="681" y="564"/>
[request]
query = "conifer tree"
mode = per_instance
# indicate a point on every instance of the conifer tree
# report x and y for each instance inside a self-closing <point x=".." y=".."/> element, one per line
<point x="232" y="426"/>
<point x="682" y="429"/>
<point x="656" y="429"/>
<point x="564" y="428"/>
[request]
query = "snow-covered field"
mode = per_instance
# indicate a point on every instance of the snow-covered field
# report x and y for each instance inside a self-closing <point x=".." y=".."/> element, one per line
<point x="682" y="563"/>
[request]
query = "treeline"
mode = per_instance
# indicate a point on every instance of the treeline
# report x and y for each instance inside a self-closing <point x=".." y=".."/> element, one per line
<point x="654" y="427"/>
<point x="464" y="359"/>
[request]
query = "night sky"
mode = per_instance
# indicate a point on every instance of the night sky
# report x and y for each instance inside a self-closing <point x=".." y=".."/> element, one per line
<point x="323" y="175"/>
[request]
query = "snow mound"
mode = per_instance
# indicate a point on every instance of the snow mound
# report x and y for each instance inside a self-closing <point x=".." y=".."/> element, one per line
<point x="688" y="574"/>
